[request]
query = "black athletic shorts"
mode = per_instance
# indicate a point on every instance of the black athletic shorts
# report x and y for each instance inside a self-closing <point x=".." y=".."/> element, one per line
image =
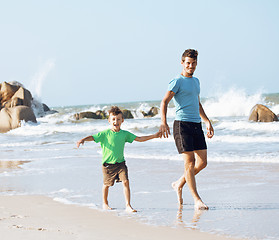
<point x="188" y="136"/>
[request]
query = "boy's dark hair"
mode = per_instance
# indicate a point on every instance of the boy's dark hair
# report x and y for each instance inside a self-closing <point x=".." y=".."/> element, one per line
<point x="114" y="110"/>
<point x="192" y="53"/>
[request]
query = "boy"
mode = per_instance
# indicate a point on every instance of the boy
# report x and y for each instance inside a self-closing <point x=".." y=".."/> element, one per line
<point x="112" y="142"/>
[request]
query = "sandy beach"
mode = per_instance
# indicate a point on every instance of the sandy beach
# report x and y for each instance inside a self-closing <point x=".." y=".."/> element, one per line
<point x="39" y="217"/>
<point x="239" y="184"/>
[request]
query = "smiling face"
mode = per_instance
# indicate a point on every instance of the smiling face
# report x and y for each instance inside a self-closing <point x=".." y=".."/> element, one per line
<point x="189" y="66"/>
<point x="115" y="121"/>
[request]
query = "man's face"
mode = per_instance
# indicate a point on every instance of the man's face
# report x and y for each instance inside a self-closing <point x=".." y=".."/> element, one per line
<point x="189" y="66"/>
<point x="115" y="122"/>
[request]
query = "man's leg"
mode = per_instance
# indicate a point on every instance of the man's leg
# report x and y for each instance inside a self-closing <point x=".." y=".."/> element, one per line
<point x="189" y="161"/>
<point x="127" y="195"/>
<point x="200" y="163"/>
<point x="105" y="198"/>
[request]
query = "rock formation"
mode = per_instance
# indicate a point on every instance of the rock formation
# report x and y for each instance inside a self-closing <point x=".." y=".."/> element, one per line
<point x="94" y="115"/>
<point x="261" y="113"/>
<point x="15" y="105"/>
<point x="151" y="113"/>
<point x="101" y="115"/>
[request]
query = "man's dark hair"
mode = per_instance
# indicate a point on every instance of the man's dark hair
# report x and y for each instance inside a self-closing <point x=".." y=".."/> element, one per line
<point x="192" y="53"/>
<point x="114" y="110"/>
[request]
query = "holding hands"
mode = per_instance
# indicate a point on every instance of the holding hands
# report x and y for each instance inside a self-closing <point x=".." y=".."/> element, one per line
<point x="165" y="130"/>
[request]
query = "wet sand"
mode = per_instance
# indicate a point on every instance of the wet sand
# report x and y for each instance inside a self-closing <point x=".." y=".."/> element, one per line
<point x="39" y="217"/>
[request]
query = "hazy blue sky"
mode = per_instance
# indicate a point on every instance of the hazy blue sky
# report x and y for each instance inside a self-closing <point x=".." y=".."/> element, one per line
<point x="89" y="52"/>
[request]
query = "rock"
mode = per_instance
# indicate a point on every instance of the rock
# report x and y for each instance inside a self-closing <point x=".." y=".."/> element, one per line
<point x="82" y="115"/>
<point x="101" y="114"/>
<point x="151" y="113"/>
<point x="16" y="104"/>
<point x="16" y="83"/>
<point x="10" y="118"/>
<point x="94" y="115"/>
<point x="7" y="91"/>
<point x="127" y="114"/>
<point x="46" y="108"/>
<point x="261" y="113"/>
<point x="13" y="102"/>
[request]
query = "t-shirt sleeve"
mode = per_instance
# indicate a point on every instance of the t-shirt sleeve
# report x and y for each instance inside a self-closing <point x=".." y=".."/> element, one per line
<point x="98" y="137"/>
<point x="173" y="85"/>
<point x="130" y="137"/>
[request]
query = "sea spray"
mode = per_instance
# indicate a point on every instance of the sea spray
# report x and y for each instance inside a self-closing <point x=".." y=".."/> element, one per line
<point x="232" y="103"/>
<point x="36" y="85"/>
<point x="39" y="78"/>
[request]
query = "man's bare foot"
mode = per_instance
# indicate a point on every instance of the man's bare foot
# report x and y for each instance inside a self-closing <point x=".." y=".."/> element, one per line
<point x="130" y="209"/>
<point x="199" y="205"/>
<point x="178" y="192"/>
<point x="106" y="207"/>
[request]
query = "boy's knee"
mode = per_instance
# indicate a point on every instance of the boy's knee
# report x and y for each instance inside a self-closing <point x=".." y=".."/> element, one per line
<point x="126" y="182"/>
<point x="105" y="186"/>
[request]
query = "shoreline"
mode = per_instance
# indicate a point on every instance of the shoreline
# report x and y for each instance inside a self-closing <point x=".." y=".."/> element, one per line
<point x="40" y="217"/>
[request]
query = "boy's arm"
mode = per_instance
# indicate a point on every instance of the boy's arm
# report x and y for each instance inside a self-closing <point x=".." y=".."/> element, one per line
<point x="149" y="137"/>
<point x="86" y="139"/>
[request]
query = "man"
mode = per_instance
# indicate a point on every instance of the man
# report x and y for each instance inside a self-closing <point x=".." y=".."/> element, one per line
<point x="187" y="130"/>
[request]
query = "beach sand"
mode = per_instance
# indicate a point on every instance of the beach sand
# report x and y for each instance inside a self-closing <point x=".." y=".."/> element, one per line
<point x="40" y="217"/>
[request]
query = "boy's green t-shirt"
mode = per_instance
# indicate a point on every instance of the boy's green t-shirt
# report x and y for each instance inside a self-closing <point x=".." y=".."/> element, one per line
<point x="113" y="144"/>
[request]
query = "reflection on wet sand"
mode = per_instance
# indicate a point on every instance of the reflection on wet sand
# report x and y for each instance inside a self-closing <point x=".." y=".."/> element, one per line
<point x="194" y="221"/>
<point x="11" y="165"/>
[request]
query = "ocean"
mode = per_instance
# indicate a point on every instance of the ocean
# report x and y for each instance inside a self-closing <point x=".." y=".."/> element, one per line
<point x="240" y="183"/>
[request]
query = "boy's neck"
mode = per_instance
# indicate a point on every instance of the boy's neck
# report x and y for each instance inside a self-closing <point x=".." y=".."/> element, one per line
<point x="115" y="130"/>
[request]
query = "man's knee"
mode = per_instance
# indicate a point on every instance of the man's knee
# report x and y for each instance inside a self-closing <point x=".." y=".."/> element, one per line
<point x="189" y="166"/>
<point x="203" y="165"/>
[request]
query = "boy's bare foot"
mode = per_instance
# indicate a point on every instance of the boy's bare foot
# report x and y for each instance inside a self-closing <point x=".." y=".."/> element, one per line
<point x="130" y="209"/>
<point x="178" y="192"/>
<point x="199" y="205"/>
<point x="106" y="207"/>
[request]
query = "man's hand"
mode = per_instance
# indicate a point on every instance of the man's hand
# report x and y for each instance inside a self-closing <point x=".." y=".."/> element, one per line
<point x="165" y="130"/>
<point x="210" y="130"/>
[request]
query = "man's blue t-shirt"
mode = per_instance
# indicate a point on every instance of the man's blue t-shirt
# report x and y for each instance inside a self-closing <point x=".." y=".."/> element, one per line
<point x="186" y="98"/>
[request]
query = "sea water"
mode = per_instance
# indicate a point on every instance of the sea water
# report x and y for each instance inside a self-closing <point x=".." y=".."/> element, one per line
<point x="240" y="183"/>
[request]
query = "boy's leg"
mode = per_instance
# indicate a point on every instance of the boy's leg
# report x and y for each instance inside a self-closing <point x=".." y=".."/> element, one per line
<point x="105" y="198"/>
<point x="200" y="163"/>
<point x="127" y="195"/>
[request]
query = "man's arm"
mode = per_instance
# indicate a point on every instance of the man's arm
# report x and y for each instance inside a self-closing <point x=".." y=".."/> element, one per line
<point x="164" y="128"/>
<point x="209" y="128"/>
<point x="149" y="137"/>
<point x="86" y="139"/>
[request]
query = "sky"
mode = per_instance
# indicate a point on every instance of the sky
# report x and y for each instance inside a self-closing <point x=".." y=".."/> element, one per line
<point x="91" y="52"/>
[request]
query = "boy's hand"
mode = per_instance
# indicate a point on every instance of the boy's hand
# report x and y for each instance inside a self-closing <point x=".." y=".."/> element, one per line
<point x="158" y="134"/>
<point x="80" y="142"/>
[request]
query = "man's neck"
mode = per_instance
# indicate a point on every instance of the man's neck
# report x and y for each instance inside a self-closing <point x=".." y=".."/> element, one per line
<point x="187" y="75"/>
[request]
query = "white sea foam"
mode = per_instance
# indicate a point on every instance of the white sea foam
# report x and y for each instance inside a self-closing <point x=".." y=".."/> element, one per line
<point x="263" y="158"/>
<point x="245" y="139"/>
<point x="235" y="102"/>
<point x="249" y="127"/>
<point x="63" y="200"/>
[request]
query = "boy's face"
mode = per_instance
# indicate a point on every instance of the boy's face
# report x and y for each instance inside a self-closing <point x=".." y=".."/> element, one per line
<point x="189" y="66"/>
<point x="115" y="122"/>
